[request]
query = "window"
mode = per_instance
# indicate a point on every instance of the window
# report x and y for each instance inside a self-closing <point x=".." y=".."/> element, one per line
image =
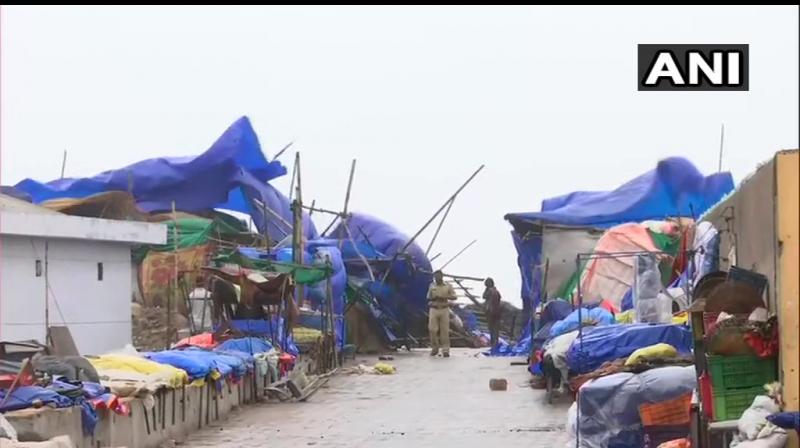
<point x="38" y="268"/>
<point x="100" y="272"/>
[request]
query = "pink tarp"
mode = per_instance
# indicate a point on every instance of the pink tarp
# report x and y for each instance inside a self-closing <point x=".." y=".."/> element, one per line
<point x="610" y="278"/>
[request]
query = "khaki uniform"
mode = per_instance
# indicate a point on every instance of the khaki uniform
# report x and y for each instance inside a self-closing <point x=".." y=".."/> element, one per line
<point x="439" y="297"/>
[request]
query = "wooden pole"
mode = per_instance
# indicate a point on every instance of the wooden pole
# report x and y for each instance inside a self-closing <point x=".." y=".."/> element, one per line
<point x="329" y="304"/>
<point x="289" y="145"/>
<point x="459" y="253"/>
<point x="466" y="292"/>
<point x="358" y="252"/>
<point x="63" y="163"/>
<point x="425" y="226"/>
<point x="297" y="240"/>
<point x="175" y="273"/>
<point x="721" y="141"/>
<point x="439" y="227"/>
<point x="330" y="226"/>
<point x="46" y="294"/>
<point x="349" y="187"/>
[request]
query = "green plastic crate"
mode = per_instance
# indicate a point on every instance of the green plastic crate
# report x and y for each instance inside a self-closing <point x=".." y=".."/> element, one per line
<point x="731" y="404"/>
<point x="741" y="372"/>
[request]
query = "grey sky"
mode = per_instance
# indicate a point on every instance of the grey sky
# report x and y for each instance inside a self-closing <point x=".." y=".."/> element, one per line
<point x="421" y="96"/>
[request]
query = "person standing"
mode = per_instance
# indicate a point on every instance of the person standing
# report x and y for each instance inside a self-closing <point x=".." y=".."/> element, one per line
<point x="440" y="294"/>
<point x="494" y="309"/>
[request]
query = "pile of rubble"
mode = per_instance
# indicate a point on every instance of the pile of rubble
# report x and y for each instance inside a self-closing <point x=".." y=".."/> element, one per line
<point x="150" y="327"/>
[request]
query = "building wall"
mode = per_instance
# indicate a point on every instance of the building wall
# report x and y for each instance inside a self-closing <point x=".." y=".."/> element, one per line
<point x="97" y="312"/>
<point x="788" y="218"/>
<point x="746" y="222"/>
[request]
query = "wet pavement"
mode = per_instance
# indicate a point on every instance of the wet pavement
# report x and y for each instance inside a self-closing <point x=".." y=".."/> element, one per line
<point x="429" y="402"/>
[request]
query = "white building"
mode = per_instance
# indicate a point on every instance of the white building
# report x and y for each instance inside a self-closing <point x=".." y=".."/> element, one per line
<point x="85" y="261"/>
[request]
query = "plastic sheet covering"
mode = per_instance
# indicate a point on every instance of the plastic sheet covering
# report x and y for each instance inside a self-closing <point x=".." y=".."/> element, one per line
<point x="674" y="187"/>
<point x="196" y="366"/>
<point x="610" y="278"/>
<point x="650" y="306"/>
<point x="115" y="366"/>
<point x="557" y="349"/>
<point x="251" y="345"/>
<point x="271" y="329"/>
<point x="23" y="397"/>
<point x="608" y="407"/>
<point x="408" y="279"/>
<point x="706" y="245"/>
<point x="593" y="316"/>
<point x="608" y="343"/>
<point x="224" y="363"/>
<point x="232" y="174"/>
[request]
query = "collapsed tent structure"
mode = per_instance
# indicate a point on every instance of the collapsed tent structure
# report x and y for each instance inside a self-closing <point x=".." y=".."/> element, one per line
<point x="363" y="265"/>
<point x="233" y="174"/>
<point x="548" y="241"/>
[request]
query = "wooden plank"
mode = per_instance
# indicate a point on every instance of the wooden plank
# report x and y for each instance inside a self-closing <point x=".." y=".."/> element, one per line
<point x="787" y="222"/>
<point x="788" y="290"/>
<point x="62" y="342"/>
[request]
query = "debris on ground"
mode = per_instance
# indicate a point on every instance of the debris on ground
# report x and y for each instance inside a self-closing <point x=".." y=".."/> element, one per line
<point x="498" y="384"/>
<point x="380" y="368"/>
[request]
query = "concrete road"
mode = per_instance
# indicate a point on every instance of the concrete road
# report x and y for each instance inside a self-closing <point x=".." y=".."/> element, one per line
<point x="429" y="402"/>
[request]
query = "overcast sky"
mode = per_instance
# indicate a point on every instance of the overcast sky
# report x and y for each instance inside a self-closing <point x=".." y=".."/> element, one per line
<point x="545" y="97"/>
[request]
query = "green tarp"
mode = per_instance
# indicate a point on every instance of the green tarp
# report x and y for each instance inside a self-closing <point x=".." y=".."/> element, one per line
<point x="303" y="275"/>
<point x="191" y="232"/>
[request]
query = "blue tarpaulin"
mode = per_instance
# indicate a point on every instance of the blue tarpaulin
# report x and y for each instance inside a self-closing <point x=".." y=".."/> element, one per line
<point x="233" y="174"/>
<point x="194" y="366"/>
<point x="607" y="343"/>
<point x="267" y="329"/>
<point x="594" y="316"/>
<point x="249" y="345"/>
<point x="674" y="188"/>
<point x="404" y="295"/>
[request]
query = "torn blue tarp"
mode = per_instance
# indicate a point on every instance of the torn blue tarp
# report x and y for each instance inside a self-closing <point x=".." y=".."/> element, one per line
<point x="232" y="174"/>
<point x="608" y="343"/>
<point x="674" y="188"/>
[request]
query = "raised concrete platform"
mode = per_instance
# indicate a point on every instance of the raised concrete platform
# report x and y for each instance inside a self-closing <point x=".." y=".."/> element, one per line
<point x="171" y="414"/>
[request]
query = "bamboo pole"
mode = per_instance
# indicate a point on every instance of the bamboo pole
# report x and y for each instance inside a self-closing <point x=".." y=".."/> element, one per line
<point x="439" y="227"/>
<point x="63" y="163"/>
<point x="425" y="226"/>
<point x="279" y="153"/>
<point x="459" y="253"/>
<point x="297" y="240"/>
<point x="175" y="273"/>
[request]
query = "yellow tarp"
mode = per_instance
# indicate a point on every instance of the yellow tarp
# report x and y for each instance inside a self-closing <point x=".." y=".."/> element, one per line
<point x="174" y="377"/>
<point x="653" y="351"/>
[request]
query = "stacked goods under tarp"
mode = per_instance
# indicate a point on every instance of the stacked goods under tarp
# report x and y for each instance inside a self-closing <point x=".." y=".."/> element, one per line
<point x="675" y="188"/>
